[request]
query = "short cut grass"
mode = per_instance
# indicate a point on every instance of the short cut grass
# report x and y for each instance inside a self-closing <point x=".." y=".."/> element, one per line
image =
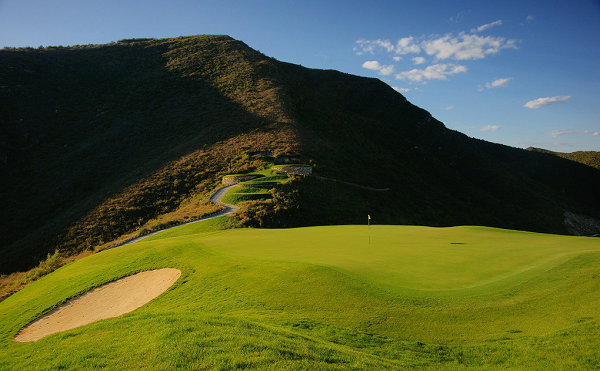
<point x="324" y="298"/>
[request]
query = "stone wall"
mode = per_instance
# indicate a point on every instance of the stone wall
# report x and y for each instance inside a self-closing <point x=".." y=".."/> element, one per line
<point x="299" y="170"/>
<point x="229" y="180"/>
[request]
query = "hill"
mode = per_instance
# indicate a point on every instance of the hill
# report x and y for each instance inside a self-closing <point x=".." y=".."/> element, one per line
<point x="590" y="158"/>
<point x="101" y="141"/>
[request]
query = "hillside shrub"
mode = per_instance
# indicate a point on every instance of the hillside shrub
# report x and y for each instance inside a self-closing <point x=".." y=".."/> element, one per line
<point x="45" y="267"/>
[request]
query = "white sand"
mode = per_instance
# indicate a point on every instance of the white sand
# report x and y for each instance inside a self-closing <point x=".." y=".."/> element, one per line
<point x="108" y="301"/>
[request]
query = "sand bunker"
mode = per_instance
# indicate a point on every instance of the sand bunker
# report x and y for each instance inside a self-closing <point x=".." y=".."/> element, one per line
<point x="108" y="301"/>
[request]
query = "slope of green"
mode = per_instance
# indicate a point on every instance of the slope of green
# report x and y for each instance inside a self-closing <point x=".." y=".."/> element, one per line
<point x="255" y="189"/>
<point x="238" y="195"/>
<point x="292" y="302"/>
<point x="438" y="260"/>
<point x="267" y="179"/>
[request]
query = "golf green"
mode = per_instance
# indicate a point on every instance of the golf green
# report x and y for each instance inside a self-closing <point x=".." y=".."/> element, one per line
<point x="411" y="257"/>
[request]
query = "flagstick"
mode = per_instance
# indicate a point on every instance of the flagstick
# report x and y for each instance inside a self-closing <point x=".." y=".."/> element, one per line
<point x="369" y="226"/>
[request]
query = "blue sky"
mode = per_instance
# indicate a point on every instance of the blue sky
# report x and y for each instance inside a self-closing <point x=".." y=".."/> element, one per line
<point x="520" y="73"/>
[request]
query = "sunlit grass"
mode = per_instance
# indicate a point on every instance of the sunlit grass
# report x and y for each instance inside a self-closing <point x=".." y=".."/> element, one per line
<point x="323" y="298"/>
<point x="410" y="257"/>
<point x="255" y="189"/>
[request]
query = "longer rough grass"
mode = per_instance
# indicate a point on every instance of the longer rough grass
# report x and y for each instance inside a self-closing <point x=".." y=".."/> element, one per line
<point x="229" y="311"/>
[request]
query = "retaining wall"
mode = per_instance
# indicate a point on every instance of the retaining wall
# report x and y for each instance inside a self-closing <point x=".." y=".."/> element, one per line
<point x="229" y="180"/>
<point x="299" y="170"/>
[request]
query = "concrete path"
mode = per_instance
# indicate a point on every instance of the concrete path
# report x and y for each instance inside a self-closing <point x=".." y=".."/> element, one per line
<point x="218" y="195"/>
<point x="215" y="198"/>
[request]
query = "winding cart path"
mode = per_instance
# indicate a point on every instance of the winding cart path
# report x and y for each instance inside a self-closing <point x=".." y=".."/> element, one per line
<point x="215" y="198"/>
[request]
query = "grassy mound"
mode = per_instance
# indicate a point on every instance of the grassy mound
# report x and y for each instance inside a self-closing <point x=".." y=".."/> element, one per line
<point x="255" y="189"/>
<point x="324" y="298"/>
<point x="237" y="195"/>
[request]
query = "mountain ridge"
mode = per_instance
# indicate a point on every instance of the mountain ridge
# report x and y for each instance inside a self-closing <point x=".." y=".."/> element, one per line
<point x="97" y="141"/>
<point x="590" y="158"/>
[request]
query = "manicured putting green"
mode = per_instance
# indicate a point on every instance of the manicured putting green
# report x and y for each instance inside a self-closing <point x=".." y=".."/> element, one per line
<point x="411" y="257"/>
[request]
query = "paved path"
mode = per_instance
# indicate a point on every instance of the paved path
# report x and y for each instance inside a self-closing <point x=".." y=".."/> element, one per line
<point x="215" y="198"/>
<point x="218" y="195"/>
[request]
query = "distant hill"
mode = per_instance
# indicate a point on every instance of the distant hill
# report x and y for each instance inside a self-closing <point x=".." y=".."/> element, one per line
<point x="590" y="158"/>
<point x="97" y="141"/>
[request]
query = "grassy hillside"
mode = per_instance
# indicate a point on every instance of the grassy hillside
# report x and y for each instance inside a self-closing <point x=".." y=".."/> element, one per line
<point x="99" y="142"/>
<point x="590" y="158"/>
<point x="323" y="298"/>
<point x="436" y="176"/>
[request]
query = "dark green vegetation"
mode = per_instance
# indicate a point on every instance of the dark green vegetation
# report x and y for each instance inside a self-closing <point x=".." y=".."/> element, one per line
<point x="590" y="158"/>
<point x="98" y="141"/>
<point x="322" y="298"/>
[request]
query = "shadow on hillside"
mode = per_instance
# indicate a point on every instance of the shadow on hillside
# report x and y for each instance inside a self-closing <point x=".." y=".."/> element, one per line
<point x="83" y="124"/>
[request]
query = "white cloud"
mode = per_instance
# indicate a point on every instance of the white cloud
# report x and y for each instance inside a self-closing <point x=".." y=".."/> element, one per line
<point x="487" y="26"/>
<point x="540" y="102"/>
<point x="405" y="45"/>
<point x="434" y="72"/>
<point x="400" y="90"/>
<point x="386" y="44"/>
<point x="490" y="128"/>
<point x="381" y="68"/>
<point x="499" y="83"/>
<point x="372" y="65"/>
<point x="387" y="70"/>
<point x="530" y="18"/>
<point x="460" y="16"/>
<point x="558" y="133"/>
<point x="464" y="46"/>
<point x="457" y="47"/>
<point x="447" y="107"/>
<point x="367" y="46"/>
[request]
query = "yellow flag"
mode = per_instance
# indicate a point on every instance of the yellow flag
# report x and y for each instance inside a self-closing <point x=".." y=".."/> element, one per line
<point x="369" y="217"/>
